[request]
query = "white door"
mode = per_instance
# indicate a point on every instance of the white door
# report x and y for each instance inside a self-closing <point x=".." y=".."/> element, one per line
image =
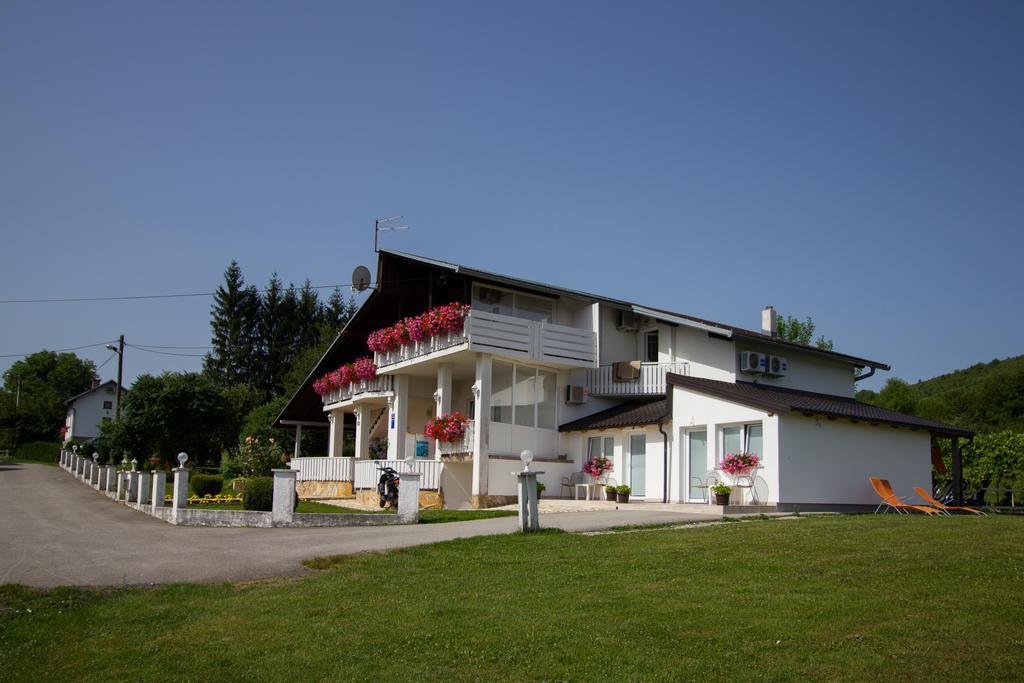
<point x="696" y="464"/>
<point x="638" y="464"/>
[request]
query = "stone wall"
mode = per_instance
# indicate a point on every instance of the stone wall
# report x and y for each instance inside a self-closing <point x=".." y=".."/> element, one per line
<point x="493" y="501"/>
<point x="324" y="489"/>
<point x="428" y="499"/>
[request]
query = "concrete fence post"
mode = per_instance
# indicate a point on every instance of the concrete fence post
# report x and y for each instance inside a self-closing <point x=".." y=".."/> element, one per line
<point x="101" y="481"/>
<point x="111" y="479"/>
<point x="94" y="475"/>
<point x="122" y="480"/>
<point x="283" y="509"/>
<point x="159" y="486"/>
<point x="528" y="520"/>
<point x="180" y="493"/>
<point x="409" y="497"/>
<point x="133" y="487"/>
<point x="145" y="489"/>
<point x="80" y="466"/>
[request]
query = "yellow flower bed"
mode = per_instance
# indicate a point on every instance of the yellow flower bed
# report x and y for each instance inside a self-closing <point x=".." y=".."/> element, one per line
<point x="219" y="498"/>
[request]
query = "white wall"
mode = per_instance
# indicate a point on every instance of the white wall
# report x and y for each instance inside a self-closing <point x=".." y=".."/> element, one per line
<point x="695" y="410"/>
<point x="500" y="481"/>
<point x="613" y="344"/>
<point x="807" y="371"/>
<point x="709" y="358"/>
<point x="576" y="445"/>
<point x="829" y="461"/>
<point x="89" y="412"/>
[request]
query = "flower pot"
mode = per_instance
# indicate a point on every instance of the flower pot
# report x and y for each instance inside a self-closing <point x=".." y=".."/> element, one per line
<point x="721" y="499"/>
<point x="611" y="495"/>
<point x="622" y="497"/>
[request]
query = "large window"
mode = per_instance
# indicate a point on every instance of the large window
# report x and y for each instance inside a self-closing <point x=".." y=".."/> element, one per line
<point x="522" y="395"/>
<point x="746" y="438"/>
<point x="600" y="447"/>
<point x="505" y="302"/>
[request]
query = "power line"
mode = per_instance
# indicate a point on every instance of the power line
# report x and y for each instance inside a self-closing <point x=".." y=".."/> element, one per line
<point x="157" y="346"/>
<point x="142" y="296"/>
<point x="166" y="353"/>
<point x="73" y="348"/>
<point x="100" y="366"/>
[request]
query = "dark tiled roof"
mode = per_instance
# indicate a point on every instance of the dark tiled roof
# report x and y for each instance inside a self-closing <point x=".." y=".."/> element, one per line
<point x="631" y="414"/>
<point x="782" y="400"/>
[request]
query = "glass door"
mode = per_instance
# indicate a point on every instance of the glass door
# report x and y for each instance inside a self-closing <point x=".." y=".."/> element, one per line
<point x="697" y="461"/>
<point x="638" y="464"/>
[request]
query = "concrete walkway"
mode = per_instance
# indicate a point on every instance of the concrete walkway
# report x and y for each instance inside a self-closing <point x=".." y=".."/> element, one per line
<point x="56" y="531"/>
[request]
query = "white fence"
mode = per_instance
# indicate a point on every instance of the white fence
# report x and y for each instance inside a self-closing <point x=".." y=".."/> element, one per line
<point x="601" y="381"/>
<point x="460" y="447"/>
<point x="368" y="472"/>
<point x="508" y="336"/>
<point x="324" y="469"/>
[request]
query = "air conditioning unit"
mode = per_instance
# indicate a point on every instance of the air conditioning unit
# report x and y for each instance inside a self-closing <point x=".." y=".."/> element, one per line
<point x="777" y="366"/>
<point x="752" y="361"/>
<point x="575" y="394"/>
<point x="628" y="321"/>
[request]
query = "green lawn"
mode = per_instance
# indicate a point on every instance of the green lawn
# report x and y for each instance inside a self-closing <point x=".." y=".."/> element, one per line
<point x="850" y="598"/>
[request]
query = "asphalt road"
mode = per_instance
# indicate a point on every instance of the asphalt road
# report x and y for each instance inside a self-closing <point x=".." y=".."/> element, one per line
<point x="56" y="531"/>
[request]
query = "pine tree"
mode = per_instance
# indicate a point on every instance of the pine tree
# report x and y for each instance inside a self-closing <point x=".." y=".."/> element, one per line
<point x="309" y="315"/>
<point x="274" y="342"/>
<point x="233" y="321"/>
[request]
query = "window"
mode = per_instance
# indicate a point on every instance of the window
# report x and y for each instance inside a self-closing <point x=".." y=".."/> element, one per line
<point x="504" y="302"/>
<point x="501" y="392"/>
<point x="107" y="405"/>
<point x="523" y="396"/>
<point x="651" y="347"/>
<point x="748" y="438"/>
<point x="600" y="447"/>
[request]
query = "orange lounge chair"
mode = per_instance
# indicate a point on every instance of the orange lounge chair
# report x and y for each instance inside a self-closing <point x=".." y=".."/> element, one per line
<point x="942" y="506"/>
<point x="891" y="500"/>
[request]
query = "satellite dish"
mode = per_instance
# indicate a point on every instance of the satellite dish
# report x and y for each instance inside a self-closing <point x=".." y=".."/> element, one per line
<point x="360" y="278"/>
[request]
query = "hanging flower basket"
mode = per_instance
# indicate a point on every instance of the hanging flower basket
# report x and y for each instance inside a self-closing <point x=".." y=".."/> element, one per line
<point x="360" y="370"/>
<point x="438" y="321"/>
<point x="598" y="467"/>
<point x="447" y="428"/>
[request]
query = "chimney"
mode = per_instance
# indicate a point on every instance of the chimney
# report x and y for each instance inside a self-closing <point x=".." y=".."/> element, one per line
<point x="95" y="382"/>
<point x="769" y="321"/>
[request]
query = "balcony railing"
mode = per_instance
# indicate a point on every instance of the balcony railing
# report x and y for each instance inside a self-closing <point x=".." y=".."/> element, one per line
<point x="323" y="469"/>
<point x="368" y="472"/>
<point x="461" y="447"/>
<point x="507" y="336"/>
<point x="378" y="385"/>
<point x="601" y="381"/>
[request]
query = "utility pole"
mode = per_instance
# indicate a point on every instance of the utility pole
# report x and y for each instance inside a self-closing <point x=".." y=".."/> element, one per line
<point x="119" y="350"/>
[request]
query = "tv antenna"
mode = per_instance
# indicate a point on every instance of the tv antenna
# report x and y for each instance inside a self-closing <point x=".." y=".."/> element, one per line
<point x="385" y="225"/>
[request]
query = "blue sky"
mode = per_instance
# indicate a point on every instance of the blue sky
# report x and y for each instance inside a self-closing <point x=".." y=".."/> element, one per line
<point x="858" y="162"/>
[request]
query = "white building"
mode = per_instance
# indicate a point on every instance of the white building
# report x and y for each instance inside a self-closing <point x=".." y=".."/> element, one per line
<point x="571" y="375"/>
<point x="87" y="411"/>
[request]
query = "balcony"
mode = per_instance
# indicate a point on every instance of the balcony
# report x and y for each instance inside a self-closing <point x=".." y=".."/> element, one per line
<point x="650" y="380"/>
<point x="463" y="446"/>
<point x="501" y="335"/>
<point x="380" y="386"/>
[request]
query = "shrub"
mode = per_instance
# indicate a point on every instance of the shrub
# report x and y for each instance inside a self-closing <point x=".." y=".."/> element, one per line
<point x="39" y="451"/>
<point x="259" y="454"/>
<point x="258" y="493"/>
<point x="203" y="484"/>
<point x="624" y="489"/>
<point x="230" y="468"/>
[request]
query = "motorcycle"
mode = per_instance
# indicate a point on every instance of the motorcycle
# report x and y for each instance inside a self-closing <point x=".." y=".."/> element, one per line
<point x="387" y="487"/>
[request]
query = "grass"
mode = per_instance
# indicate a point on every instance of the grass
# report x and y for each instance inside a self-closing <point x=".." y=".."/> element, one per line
<point x="837" y="597"/>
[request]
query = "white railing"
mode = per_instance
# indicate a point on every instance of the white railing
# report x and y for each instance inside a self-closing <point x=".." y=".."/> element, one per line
<point x="460" y="447"/>
<point x="377" y="385"/>
<point x="601" y="380"/>
<point x="323" y="469"/>
<point x="505" y="335"/>
<point x="368" y="472"/>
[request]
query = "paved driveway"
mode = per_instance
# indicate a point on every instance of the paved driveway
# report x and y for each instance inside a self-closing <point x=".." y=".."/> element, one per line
<point x="56" y="531"/>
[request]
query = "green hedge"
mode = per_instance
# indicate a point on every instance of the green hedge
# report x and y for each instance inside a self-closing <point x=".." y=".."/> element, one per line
<point x="39" y="451"/>
<point x="258" y="493"/>
<point x="203" y="484"/>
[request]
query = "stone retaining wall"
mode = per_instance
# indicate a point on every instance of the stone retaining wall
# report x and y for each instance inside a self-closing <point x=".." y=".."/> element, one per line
<point x="428" y="499"/>
<point x="312" y="490"/>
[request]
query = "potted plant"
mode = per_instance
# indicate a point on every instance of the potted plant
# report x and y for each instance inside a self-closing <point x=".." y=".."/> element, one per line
<point x="721" y="492"/>
<point x="540" y="488"/>
<point x="610" y="492"/>
<point x="622" y="494"/>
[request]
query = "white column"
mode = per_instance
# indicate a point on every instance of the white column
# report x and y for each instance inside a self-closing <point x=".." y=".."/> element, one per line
<point x="364" y="420"/>
<point x="398" y="419"/>
<point x="111" y="478"/>
<point x="145" y="489"/>
<point x="283" y="508"/>
<point x="442" y="397"/>
<point x="409" y="497"/>
<point x="298" y="442"/>
<point x="481" y="422"/>
<point x="336" y="434"/>
<point x="180" y="493"/>
<point x="159" y="486"/>
<point x="527" y="490"/>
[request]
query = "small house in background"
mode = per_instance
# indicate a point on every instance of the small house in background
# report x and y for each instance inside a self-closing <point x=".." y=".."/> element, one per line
<point x="87" y="411"/>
